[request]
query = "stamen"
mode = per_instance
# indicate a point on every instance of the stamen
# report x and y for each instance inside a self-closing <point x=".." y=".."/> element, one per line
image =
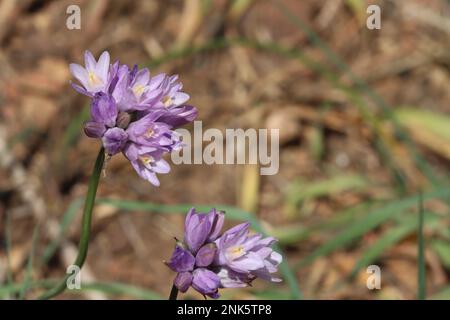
<point x="146" y="160"/>
<point x="149" y="133"/>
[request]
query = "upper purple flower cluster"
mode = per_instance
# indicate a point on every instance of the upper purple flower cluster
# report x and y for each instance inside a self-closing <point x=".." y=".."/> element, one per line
<point x="133" y="112"/>
<point x="207" y="261"/>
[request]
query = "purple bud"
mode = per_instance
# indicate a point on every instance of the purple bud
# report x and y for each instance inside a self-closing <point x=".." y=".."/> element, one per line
<point x="205" y="255"/>
<point x="94" y="129"/>
<point x="206" y="282"/>
<point x="123" y="119"/>
<point x="216" y="219"/>
<point x="103" y="109"/>
<point x="197" y="230"/>
<point x="181" y="260"/>
<point x="114" y="140"/>
<point x="183" y="281"/>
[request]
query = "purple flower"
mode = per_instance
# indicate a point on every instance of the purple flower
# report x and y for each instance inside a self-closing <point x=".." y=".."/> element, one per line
<point x="104" y="110"/>
<point x="182" y="260"/>
<point x="247" y="254"/>
<point x="207" y="261"/>
<point x="147" y="132"/>
<point x="203" y="280"/>
<point x="135" y="90"/>
<point x="205" y="255"/>
<point x="147" y="161"/>
<point x="133" y="112"/>
<point x="200" y="227"/>
<point x="94" y="76"/>
<point x="172" y="96"/>
<point x="114" y="140"/>
<point x="183" y="281"/>
<point x="206" y="282"/>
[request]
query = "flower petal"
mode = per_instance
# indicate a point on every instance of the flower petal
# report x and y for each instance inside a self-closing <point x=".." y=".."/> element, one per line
<point x="89" y="61"/>
<point x="183" y="281"/>
<point x="114" y="140"/>
<point x="251" y="261"/>
<point x="205" y="255"/>
<point x="206" y="282"/>
<point x="182" y="260"/>
<point x="80" y="74"/>
<point x="102" y="67"/>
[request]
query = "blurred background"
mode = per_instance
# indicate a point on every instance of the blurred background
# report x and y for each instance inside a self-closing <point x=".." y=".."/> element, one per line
<point x="364" y="121"/>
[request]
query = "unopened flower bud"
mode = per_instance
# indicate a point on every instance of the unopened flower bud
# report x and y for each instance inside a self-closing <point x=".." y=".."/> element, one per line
<point x="123" y="120"/>
<point x="94" y="129"/>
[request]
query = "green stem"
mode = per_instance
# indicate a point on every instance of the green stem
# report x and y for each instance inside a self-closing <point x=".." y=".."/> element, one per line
<point x="173" y="293"/>
<point x="86" y="226"/>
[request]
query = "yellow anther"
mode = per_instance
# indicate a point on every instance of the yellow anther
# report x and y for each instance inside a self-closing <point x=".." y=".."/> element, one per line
<point x="149" y="133"/>
<point x="236" y="252"/>
<point x="93" y="79"/>
<point x="146" y="160"/>
<point x="138" y="89"/>
<point x="167" y="101"/>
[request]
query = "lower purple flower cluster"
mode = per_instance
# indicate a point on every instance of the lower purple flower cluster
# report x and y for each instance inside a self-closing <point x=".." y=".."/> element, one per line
<point x="208" y="261"/>
<point x="133" y="113"/>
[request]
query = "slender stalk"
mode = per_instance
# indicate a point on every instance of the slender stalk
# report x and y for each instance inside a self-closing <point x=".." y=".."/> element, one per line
<point x="86" y="226"/>
<point x="173" y="293"/>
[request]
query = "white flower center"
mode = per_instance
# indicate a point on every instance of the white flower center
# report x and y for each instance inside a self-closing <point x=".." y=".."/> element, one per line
<point x="235" y="252"/>
<point x="93" y="79"/>
<point x="167" y="101"/>
<point x="138" y="90"/>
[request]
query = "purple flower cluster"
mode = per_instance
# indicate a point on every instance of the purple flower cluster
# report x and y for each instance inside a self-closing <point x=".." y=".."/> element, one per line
<point x="133" y="112"/>
<point x="208" y="261"/>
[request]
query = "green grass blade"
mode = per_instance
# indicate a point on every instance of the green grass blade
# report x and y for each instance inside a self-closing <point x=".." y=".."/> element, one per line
<point x="66" y="220"/>
<point x="421" y="253"/>
<point x="362" y="86"/>
<point x="367" y="223"/>
<point x="8" y="243"/>
<point x="116" y="289"/>
<point x="390" y="238"/>
<point x="29" y="270"/>
<point x="444" y="294"/>
<point x="72" y="133"/>
<point x="294" y="233"/>
<point x="110" y="288"/>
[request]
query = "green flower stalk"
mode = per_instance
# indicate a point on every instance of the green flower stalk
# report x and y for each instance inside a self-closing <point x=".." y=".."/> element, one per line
<point x="86" y="225"/>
